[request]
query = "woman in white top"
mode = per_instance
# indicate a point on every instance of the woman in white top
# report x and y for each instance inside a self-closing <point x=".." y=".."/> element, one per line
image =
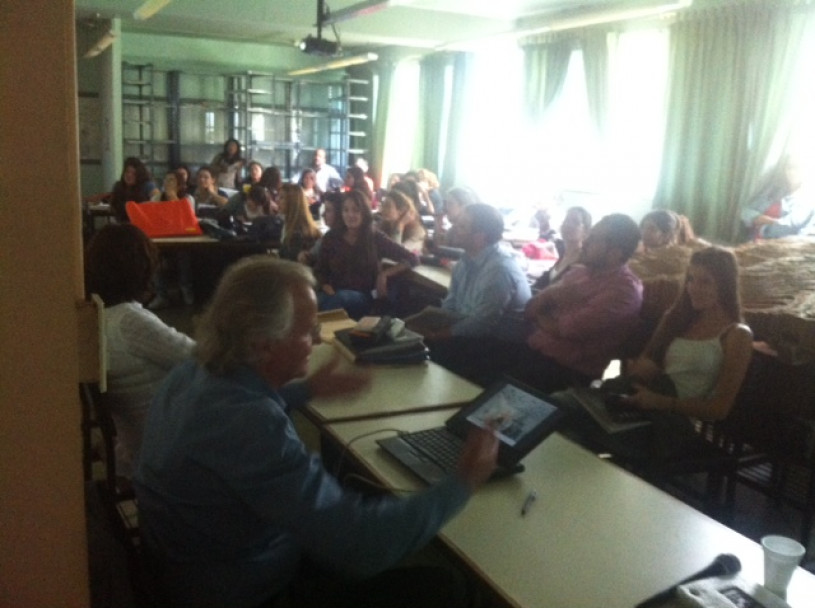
<point x="119" y="265"/>
<point x="701" y="344"/>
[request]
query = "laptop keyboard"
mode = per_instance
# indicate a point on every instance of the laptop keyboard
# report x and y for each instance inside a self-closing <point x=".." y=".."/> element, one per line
<point x="437" y="444"/>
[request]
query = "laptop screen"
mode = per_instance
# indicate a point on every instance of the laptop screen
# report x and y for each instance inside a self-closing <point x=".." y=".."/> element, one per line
<point x="521" y="416"/>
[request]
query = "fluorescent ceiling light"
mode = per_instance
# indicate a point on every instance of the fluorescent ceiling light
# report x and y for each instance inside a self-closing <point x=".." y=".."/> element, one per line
<point x="149" y="8"/>
<point x="104" y="42"/>
<point x="540" y="25"/>
<point x="527" y="27"/>
<point x="336" y="64"/>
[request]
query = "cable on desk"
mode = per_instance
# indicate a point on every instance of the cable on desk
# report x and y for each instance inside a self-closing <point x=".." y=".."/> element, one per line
<point x="348" y="445"/>
<point x="378" y="486"/>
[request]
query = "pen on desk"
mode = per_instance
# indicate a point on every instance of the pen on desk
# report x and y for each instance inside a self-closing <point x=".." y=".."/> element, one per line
<point x="531" y="497"/>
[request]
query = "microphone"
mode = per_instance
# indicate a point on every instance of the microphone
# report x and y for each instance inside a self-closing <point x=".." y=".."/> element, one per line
<point x="722" y="565"/>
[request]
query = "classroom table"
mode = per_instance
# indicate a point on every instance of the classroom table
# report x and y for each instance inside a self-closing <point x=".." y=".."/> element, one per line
<point x="596" y="536"/>
<point x="394" y="389"/>
<point x="433" y="278"/>
<point x="209" y="257"/>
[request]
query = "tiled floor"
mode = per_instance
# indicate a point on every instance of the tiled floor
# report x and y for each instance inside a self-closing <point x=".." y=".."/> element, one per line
<point x="755" y="516"/>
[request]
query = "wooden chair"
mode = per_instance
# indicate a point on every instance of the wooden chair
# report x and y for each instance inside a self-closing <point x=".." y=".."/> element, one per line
<point x="107" y="494"/>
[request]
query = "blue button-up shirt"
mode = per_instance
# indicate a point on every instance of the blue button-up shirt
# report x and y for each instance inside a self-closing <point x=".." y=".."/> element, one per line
<point x="490" y="290"/>
<point x="230" y="498"/>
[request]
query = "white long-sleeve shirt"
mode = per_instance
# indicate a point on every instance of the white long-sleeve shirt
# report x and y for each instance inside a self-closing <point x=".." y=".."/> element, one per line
<point x="141" y="350"/>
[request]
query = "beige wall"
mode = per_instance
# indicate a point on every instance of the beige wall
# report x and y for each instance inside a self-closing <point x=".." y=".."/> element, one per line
<point x="43" y="555"/>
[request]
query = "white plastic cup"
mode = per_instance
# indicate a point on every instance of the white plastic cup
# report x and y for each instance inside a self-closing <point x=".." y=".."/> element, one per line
<point x="781" y="556"/>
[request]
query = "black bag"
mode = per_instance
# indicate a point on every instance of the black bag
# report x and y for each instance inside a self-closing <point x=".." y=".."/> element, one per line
<point x="268" y="228"/>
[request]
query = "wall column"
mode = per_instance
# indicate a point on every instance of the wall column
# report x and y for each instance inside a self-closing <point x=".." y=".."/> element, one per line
<point x="43" y="547"/>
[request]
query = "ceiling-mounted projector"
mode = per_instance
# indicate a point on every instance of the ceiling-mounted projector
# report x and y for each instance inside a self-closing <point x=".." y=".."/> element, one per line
<point x="312" y="45"/>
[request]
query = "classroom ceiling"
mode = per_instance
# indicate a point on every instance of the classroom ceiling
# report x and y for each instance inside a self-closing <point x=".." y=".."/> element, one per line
<point x="361" y="24"/>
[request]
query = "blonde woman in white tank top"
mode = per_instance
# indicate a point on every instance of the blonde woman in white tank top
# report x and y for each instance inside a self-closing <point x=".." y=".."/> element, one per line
<point x="701" y="343"/>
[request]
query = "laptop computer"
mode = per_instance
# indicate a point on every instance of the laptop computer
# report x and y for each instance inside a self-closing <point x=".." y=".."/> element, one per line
<point x="522" y="419"/>
<point x="613" y="418"/>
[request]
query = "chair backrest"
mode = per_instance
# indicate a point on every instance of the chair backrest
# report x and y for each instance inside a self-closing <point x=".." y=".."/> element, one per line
<point x="96" y="415"/>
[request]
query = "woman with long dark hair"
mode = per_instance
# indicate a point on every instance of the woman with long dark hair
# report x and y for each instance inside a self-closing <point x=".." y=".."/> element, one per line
<point x="228" y="164"/>
<point x="348" y="268"/>
<point x="355" y="180"/>
<point x="134" y="185"/>
<point x="693" y="366"/>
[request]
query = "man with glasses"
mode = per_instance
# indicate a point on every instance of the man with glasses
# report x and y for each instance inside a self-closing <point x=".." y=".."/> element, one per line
<point x="234" y="510"/>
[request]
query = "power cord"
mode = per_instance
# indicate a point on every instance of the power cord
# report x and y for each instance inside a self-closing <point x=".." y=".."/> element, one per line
<point x="347" y="447"/>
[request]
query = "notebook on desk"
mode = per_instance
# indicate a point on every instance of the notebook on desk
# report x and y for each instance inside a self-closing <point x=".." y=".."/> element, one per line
<point x="522" y="419"/>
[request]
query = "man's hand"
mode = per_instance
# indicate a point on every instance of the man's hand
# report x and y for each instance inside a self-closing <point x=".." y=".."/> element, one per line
<point x="478" y="457"/>
<point x="330" y="381"/>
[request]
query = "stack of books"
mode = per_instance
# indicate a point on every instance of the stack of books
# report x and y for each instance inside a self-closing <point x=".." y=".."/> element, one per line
<point x="381" y="340"/>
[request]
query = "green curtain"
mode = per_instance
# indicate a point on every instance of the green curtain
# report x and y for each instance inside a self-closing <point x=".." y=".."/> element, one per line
<point x="384" y="80"/>
<point x="431" y="108"/>
<point x="462" y="66"/>
<point x="546" y="62"/>
<point x="594" y="44"/>
<point x="731" y="70"/>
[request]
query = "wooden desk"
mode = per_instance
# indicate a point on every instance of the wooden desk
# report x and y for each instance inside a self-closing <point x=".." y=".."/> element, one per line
<point x="434" y="278"/>
<point x="209" y="257"/>
<point x="597" y="535"/>
<point x="200" y="242"/>
<point x="395" y="389"/>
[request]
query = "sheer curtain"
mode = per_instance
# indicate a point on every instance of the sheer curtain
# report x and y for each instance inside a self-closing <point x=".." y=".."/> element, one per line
<point x="383" y="80"/>
<point x="733" y="72"/>
<point x="598" y="129"/>
<point x="431" y="118"/>
<point x="402" y="119"/>
<point x="489" y="154"/>
<point x="462" y="67"/>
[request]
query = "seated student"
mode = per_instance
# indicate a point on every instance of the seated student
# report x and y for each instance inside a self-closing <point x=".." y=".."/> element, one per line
<point x="456" y="199"/>
<point x="663" y="228"/>
<point x="308" y="182"/>
<point x="348" y="267"/>
<point x="401" y="222"/>
<point x="694" y="365"/>
<point x="255" y="203"/>
<point x="488" y="292"/>
<point x="228" y="164"/>
<point x="785" y="207"/>
<point x="236" y="201"/>
<point x="208" y="197"/>
<point x="300" y="233"/>
<point x="254" y="171"/>
<point x="181" y="260"/>
<point x="185" y="184"/>
<point x="135" y="184"/>
<point x="573" y="231"/>
<point x="234" y="510"/>
<point x="119" y="266"/>
<point x="583" y="319"/>
<point x="332" y="217"/>
<point x="173" y="189"/>
<point x="272" y="179"/>
<point x="429" y="187"/>
<point x="355" y="180"/>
